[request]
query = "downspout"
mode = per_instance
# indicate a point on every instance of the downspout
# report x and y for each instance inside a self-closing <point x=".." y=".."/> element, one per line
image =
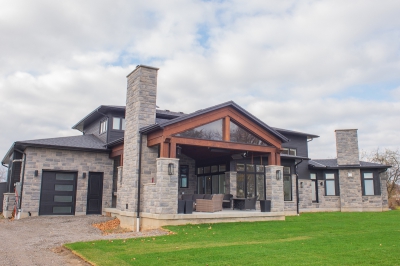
<point x="297" y="187"/>
<point x="138" y="191"/>
<point x="22" y="180"/>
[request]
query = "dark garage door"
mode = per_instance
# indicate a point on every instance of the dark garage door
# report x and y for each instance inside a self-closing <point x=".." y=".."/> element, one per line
<point x="58" y="193"/>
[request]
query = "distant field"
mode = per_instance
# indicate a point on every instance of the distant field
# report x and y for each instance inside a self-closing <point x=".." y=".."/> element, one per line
<point x="310" y="239"/>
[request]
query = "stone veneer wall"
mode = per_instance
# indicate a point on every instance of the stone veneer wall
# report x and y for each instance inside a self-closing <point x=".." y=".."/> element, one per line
<point x="58" y="160"/>
<point x="274" y="188"/>
<point x="8" y="204"/>
<point x="140" y="111"/>
<point x="192" y="187"/>
<point x="350" y="190"/>
<point x="384" y="194"/>
<point x="162" y="196"/>
<point x="347" y="147"/>
<point x="305" y="194"/>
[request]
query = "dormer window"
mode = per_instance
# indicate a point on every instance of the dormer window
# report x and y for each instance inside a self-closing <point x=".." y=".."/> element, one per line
<point x="103" y="126"/>
<point x="118" y="123"/>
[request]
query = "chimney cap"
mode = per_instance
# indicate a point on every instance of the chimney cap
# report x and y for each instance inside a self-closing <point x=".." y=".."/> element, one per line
<point x="352" y="129"/>
<point x="144" y="66"/>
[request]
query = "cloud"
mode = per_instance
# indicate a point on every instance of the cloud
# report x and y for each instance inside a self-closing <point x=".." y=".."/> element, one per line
<point x="313" y="66"/>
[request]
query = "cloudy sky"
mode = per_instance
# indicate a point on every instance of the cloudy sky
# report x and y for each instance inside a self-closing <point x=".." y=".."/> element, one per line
<point x="311" y="66"/>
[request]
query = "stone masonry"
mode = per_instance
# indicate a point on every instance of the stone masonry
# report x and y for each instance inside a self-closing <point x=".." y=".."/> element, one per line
<point x="274" y="188"/>
<point x="140" y="112"/>
<point x="51" y="159"/>
<point x="347" y="147"/>
<point x="8" y="204"/>
<point x="350" y="190"/>
<point x="162" y="196"/>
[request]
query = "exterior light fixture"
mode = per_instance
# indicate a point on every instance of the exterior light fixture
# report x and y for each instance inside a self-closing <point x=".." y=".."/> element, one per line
<point x="322" y="184"/>
<point x="301" y="184"/>
<point x="170" y="168"/>
<point x="36" y="173"/>
<point x="278" y="174"/>
<point x="84" y="175"/>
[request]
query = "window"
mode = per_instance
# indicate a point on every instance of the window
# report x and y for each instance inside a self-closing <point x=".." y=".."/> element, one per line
<point x="212" y="131"/>
<point x="241" y="135"/>
<point x="250" y="181"/>
<point x="287" y="184"/>
<point x="118" y="123"/>
<point x="314" y="187"/>
<point x="184" y="176"/>
<point x="370" y="184"/>
<point x="211" y="179"/>
<point x="289" y="151"/>
<point x="330" y="184"/>
<point x="103" y="126"/>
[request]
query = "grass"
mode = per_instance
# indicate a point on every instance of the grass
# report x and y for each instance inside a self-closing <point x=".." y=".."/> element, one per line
<point x="310" y="239"/>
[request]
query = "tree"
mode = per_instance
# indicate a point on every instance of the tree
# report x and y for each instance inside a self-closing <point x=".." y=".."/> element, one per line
<point x="392" y="175"/>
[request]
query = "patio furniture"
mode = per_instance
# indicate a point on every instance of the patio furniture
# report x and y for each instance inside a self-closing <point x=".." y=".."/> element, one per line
<point x="181" y="206"/>
<point x="243" y="204"/>
<point x="227" y="201"/>
<point x="210" y="205"/>
<point x="265" y="205"/>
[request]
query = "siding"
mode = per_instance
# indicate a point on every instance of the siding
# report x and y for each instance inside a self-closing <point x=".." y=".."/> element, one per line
<point x="3" y="189"/>
<point x="298" y="142"/>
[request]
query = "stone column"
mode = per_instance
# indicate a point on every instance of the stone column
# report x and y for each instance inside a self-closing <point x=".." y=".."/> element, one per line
<point x="384" y="194"/>
<point x="162" y="196"/>
<point x="274" y="188"/>
<point x="140" y="112"/>
<point x="347" y="147"/>
<point x="231" y="176"/>
<point x="8" y="204"/>
<point x="350" y="190"/>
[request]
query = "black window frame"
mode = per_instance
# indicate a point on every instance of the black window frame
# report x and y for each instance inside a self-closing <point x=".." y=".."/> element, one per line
<point x="255" y="172"/>
<point x="315" y="186"/>
<point x="121" y="119"/>
<point x="375" y="180"/>
<point x="184" y="170"/>
<point x="201" y="177"/>
<point x="336" y="182"/>
<point x="288" y="150"/>
<point x="290" y="182"/>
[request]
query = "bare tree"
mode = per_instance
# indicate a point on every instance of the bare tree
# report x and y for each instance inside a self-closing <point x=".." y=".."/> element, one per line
<point x="387" y="157"/>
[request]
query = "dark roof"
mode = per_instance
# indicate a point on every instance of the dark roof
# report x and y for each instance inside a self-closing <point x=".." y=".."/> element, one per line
<point x="96" y="114"/>
<point x="332" y="164"/>
<point x="115" y="142"/>
<point x="154" y="127"/>
<point x="82" y="142"/>
<point x="283" y="131"/>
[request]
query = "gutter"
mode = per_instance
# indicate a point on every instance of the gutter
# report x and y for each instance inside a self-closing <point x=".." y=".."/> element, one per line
<point x="297" y="187"/>
<point x="138" y="190"/>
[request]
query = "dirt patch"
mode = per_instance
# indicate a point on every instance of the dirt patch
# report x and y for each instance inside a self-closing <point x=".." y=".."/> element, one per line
<point x="111" y="227"/>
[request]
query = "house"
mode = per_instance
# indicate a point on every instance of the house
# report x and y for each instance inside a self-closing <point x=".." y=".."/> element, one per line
<point x="136" y="161"/>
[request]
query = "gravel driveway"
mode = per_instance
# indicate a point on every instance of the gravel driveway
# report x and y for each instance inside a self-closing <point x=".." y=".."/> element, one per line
<point x="38" y="240"/>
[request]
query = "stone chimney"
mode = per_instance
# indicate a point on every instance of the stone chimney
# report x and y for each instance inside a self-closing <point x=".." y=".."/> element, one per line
<point x="347" y="147"/>
<point x="140" y="112"/>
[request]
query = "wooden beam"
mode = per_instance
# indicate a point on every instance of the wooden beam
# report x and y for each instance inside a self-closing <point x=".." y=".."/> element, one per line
<point x="117" y="151"/>
<point x="172" y="149"/>
<point x="272" y="158"/>
<point x="155" y="141"/>
<point x="223" y="145"/>
<point x="226" y="129"/>
<point x="164" y="150"/>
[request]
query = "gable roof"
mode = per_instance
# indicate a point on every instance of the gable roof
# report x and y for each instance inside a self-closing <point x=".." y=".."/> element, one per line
<point x="82" y="142"/>
<point x="332" y="164"/>
<point x="96" y="114"/>
<point x="154" y="127"/>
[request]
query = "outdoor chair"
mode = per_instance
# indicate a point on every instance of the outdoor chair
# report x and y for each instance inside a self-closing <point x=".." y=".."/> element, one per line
<point x="210" y="205"/>
<point x="250" y="203"/>
<point x="227" y="201"/>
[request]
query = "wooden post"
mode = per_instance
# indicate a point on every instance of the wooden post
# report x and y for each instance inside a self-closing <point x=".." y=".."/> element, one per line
<point x="226" y="129"/>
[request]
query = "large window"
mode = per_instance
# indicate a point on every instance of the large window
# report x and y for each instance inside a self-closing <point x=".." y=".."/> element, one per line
<point x="287" y="184"/>
<point x="250" y="181"/>
<point x="314" y="187"/>
<point x="370" y="184"/>
<point x="211" y="179"/>
<point x="103" y="126"/>
<point x="330" y="184"/>
<point x="211" y="131"/>
<point x="118" y="123"/>
<point x="241" y="135"/>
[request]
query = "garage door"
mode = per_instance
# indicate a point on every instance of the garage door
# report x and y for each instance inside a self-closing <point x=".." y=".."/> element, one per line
<point x="58" y="193"/>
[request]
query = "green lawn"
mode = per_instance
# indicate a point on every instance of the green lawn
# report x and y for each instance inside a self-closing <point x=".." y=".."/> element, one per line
<point x="314" y="238"/>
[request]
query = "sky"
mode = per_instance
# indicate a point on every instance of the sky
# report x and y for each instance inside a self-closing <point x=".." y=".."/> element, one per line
<point x="310" y="66"/>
